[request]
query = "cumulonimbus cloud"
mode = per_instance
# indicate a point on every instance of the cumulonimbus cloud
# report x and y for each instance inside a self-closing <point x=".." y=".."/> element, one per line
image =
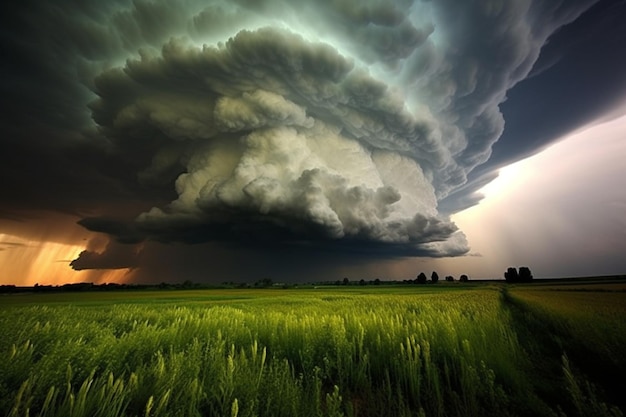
<point x="338" y="122"/>
<point x="274" y="129"/>
<point x="270" y="132"/>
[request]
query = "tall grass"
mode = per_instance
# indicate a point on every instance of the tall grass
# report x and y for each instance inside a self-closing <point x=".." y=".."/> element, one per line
<point x="301" y="354"/>
<point x="585" y="333"/>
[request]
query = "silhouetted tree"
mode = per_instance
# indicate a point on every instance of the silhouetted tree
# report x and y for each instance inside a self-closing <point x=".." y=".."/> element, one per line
<point x="362" y="282"/>
<point x="346" y="281"/>
<point x="511" y="275"/>
<point x="524" y="274"/>
<point x="377" y="281"/>
<point x="434" y="277"/>
<point x="450" y="278"/>
<point x="421" y="278"/>
<point x="464" y="278"/>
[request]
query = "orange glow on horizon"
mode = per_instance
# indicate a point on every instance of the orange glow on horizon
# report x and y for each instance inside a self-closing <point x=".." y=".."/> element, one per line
<point x="29" y="262"/>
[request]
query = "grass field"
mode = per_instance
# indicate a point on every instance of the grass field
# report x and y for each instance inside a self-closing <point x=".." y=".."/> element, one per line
<point x="434" y="350"/>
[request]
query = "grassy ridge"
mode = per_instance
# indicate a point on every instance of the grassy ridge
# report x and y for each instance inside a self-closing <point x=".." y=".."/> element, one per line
<point x="438" y="350"/>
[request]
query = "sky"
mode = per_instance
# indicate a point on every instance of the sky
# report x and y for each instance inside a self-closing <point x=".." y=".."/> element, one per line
<point x="213" y="141"/>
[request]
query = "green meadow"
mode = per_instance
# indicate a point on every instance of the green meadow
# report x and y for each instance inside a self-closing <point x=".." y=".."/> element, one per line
<point x="448" y="349"/>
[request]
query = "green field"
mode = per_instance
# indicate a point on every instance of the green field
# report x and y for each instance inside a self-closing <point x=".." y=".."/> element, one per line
<point x="433" y="350"/>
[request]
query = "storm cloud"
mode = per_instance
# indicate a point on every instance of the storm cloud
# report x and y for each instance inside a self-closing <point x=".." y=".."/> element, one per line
<point x="271" y="129"/>
<point x="333" y="124"/>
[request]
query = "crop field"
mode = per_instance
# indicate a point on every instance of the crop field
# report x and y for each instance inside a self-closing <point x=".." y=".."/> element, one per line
<point x="433" y="350"/>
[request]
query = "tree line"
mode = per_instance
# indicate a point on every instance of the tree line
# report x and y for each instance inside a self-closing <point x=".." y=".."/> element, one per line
<point x="511" y="275"/>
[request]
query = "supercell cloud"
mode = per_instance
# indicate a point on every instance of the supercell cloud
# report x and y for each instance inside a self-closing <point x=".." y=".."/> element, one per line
<point x="274" y="132"/>
<point x="336" y="124"/>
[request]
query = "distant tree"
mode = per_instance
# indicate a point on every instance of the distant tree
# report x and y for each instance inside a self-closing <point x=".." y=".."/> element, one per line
<point x="421" y="278"/>
<point x="377" y="281"/>
<point x="434" y="277"/>
<point x="511" y="275"/>
<point x="524" y="274"/>
<point x="346" y="281"/>
<point x="449" y="278"/>
<point x="362" y="282"/>
<point x="464" y="278"/>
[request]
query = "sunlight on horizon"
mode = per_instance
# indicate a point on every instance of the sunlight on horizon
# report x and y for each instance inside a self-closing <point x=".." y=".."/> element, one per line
<point x="533" y="211"/>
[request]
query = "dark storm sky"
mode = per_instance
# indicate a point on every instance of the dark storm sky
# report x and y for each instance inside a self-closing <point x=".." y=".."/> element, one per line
<point x="188" y="136"/>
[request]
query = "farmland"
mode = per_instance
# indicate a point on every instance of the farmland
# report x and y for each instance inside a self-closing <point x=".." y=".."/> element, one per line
<point x="434" y="350"/>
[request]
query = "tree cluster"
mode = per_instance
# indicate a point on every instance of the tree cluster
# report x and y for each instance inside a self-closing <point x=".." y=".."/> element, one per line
<point x="524" y="274"/>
